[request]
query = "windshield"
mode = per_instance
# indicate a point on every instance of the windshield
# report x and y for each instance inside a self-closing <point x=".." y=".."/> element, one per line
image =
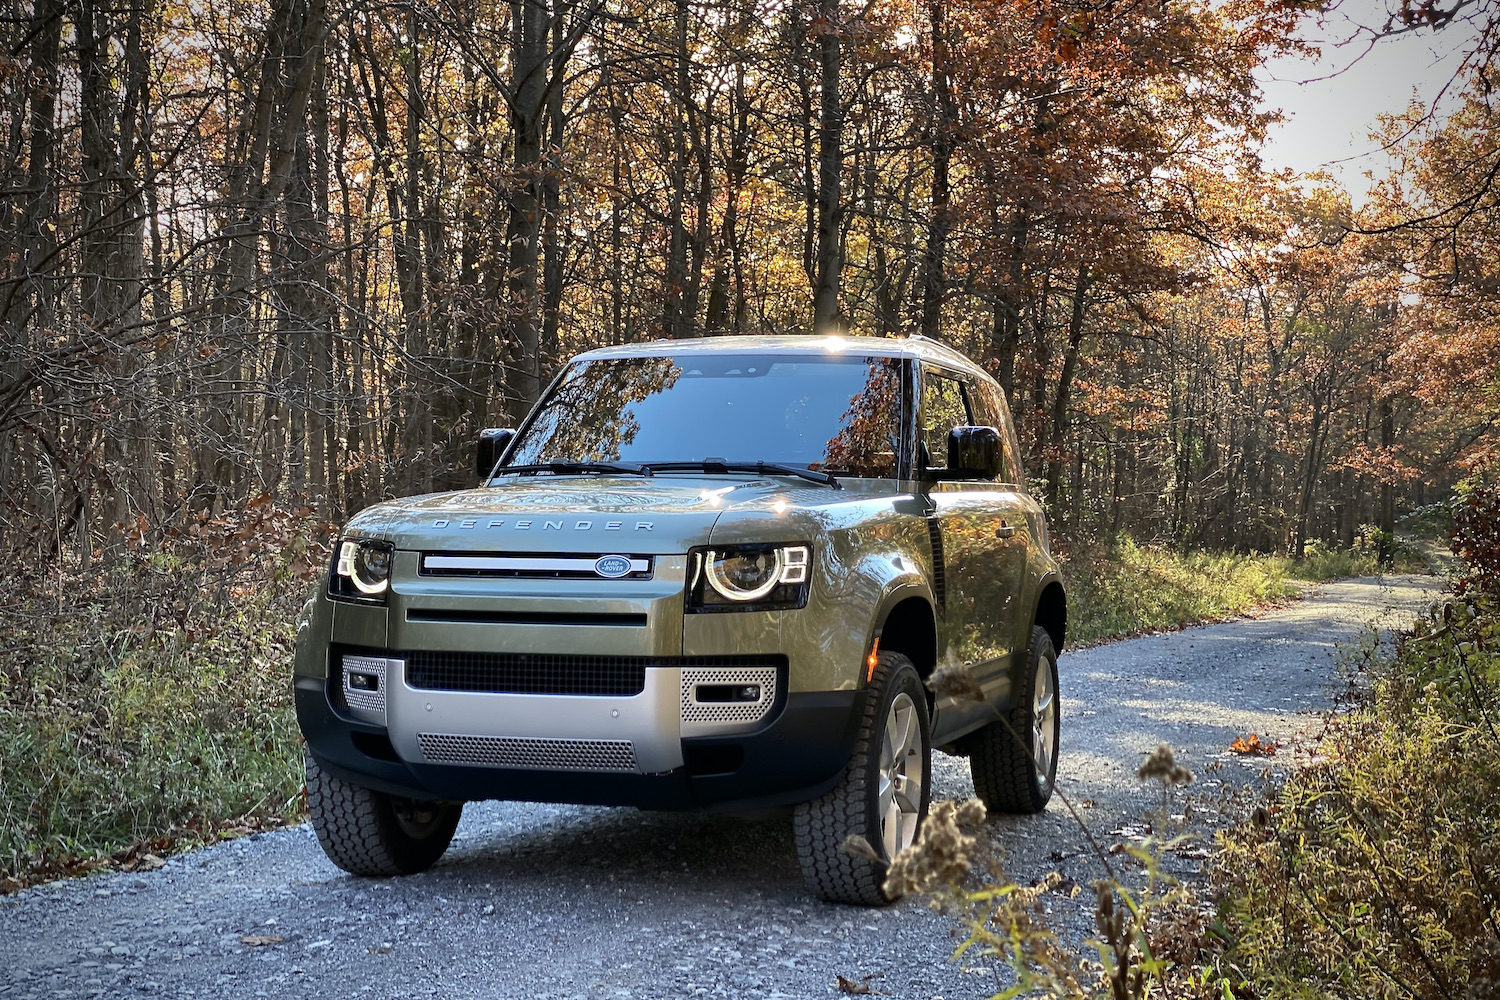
<point x="834" y="414"/>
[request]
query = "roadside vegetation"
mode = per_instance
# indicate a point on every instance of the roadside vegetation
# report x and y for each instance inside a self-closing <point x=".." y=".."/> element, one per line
<point x="1121" y="587"/>
<point x="149" y="707"/>
<point x="1375" y="872"/>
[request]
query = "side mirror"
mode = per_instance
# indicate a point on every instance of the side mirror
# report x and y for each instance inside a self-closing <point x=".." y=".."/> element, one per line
<point x="492" y="444"/>
<point x="973" y="453"/>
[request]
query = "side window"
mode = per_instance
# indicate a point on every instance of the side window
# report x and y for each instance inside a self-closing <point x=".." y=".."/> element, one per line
<point x="997" y="414"/>
<point x="943" y="408"/>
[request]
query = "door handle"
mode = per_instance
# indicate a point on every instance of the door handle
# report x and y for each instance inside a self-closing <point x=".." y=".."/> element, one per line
<point x="1005" y="530"/>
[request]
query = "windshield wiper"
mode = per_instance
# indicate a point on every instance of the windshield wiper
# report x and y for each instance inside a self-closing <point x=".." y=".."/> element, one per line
<point x="564" y="468"/>
<point x="714" y="465"/>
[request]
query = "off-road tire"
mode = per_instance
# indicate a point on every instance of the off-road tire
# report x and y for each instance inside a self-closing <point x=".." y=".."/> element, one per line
<point x="821" y="826"/>
<point x="360" y="831"/>
<point x="1001" y="756"/>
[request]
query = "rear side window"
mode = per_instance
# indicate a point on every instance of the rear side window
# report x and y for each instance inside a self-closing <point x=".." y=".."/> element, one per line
<point x="944" y="407"/>
<point x="992" y="412"/>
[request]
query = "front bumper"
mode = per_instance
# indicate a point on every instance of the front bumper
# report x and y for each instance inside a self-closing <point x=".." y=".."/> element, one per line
<point x="519" y="690"/>
<point x="797" y="755"/>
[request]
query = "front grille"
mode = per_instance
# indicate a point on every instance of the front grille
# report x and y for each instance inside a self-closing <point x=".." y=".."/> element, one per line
<point x="528" y="673"/>
<point x="531" y="754"/>
<point x="553" y="673"/>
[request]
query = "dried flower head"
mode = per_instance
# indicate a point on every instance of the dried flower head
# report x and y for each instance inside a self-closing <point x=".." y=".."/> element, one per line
<point x="941" y="855"/>
<point x="1104" y="898"/>
<point x="971" y="812"/>
<point x="952" y="679"/>
<point x="1162" y="764"/>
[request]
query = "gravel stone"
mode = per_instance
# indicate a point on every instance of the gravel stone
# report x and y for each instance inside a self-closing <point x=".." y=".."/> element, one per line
<point x="537" y="900"/>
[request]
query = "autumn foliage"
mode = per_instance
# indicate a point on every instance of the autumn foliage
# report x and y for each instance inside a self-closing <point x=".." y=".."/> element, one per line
<point x="306" y="249"/>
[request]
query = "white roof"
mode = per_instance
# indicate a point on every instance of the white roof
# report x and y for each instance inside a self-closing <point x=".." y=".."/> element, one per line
<point x="922" y="348"/>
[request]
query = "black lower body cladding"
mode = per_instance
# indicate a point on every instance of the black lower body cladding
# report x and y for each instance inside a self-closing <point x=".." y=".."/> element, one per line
<point x="797" y="756"/>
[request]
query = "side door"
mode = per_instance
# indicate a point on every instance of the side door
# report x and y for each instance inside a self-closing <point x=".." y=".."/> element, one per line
<point x="979" y="533"/>
<point x="1014" y="536"/>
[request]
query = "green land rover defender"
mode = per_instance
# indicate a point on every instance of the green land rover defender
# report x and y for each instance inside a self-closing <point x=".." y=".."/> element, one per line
<point x="707" y="574"/>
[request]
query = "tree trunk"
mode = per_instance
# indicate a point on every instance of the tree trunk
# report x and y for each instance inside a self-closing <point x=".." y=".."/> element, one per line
<point x="112" y="251"/>
<point x="1005" y="330"/>
<point x="530" y="27"/>
<point x="674" y="323"/>
<point x="552" y="251"/>
<point x="1387" y="485"/>
<point x="944" y="131"/>
<point x="830" y="260"/>
<point x="1060" y="402"/>
<point x="36" y="243"/>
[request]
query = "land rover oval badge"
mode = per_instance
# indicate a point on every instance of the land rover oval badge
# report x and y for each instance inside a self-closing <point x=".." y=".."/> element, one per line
<point x="612" y="567"/>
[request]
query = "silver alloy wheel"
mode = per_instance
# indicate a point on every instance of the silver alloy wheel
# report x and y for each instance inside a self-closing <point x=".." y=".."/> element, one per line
<point x="901" y="764"/>
<point x="1043" y="721"/>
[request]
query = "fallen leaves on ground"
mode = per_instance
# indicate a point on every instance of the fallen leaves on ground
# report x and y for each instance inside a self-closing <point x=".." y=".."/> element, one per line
<point x="1195" y="852"/>
<point x="1254" y="746"/>
<point x="259" y="940"/>
<point x="141" y="856"/>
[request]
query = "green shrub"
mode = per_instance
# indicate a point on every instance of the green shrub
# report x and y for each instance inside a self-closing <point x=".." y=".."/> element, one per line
<point x="1376" y="872"/>
<point x="1325" y="562"/>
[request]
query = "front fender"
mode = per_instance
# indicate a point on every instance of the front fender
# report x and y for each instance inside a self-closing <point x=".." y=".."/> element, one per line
<point x="859" y="574"/>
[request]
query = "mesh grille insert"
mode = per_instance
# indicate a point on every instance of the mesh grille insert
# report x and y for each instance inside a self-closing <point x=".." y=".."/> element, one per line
<point x="527" y="673"/>
<point x="537" y="754"/>
<point x="552" y="673"/>
<point x="369" y="666"/>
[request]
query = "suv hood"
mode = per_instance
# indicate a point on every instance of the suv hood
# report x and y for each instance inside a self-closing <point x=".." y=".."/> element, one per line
<point x="593" y="514"/>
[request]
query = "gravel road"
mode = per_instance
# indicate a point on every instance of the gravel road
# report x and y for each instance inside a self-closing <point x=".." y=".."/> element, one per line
<point x="564" y="901"/>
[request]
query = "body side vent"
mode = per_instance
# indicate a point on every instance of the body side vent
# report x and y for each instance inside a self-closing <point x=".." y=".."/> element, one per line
<point x="939" y="565"/>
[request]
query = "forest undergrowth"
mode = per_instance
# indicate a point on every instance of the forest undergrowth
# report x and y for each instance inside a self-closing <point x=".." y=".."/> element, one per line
<point x="147" y="708"/>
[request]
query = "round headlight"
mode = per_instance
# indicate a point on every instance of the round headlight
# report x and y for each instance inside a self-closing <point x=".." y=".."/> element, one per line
<point x="367" y="565"/>
<point x="745" y="576"/>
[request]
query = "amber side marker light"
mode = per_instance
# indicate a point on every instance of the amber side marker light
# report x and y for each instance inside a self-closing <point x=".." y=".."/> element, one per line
<point x="874" y="656"/>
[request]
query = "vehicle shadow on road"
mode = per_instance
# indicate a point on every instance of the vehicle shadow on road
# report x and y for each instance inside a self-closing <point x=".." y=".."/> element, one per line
<point x="693" y="854"/>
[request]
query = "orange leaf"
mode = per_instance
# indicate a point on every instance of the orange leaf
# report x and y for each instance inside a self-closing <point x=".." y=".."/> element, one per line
<point x="1254" y="746"/>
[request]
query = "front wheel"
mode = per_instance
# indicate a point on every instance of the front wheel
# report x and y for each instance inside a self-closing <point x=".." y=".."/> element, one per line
<point x="1014" y="761"/>
<point x="881" y="797"/>
<point x="366" y="832"/>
